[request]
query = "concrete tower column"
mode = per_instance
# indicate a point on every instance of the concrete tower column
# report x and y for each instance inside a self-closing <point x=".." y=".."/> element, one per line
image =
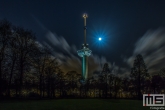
<point x="84" y="53"/>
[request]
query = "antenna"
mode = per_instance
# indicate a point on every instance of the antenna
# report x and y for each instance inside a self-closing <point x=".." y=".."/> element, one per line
<point x="85" y="27"/>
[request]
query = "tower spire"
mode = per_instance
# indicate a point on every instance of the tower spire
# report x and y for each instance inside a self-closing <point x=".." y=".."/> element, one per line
<point x="85" y="27"/>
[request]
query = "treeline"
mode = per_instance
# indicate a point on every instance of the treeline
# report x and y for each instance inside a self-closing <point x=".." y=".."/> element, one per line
<point x="24" y="63"/>
<point x="29" y="70"/>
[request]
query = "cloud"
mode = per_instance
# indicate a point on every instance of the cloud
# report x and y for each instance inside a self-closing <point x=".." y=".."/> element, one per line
<point x="67" y="55"/>
<point x="152" y="47"/>
<point x="59" y="42"/>
<point x="69" y="60"/>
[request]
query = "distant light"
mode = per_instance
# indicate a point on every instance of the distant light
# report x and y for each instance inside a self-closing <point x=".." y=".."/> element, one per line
<point x="85" y="15"/>
<point x="100" y="39"/>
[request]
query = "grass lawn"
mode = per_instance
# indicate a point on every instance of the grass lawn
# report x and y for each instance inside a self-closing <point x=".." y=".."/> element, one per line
<point x="74" y="104"/>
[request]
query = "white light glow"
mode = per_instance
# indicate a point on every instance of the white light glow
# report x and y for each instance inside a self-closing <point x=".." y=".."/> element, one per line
<point x="100" y="38"/>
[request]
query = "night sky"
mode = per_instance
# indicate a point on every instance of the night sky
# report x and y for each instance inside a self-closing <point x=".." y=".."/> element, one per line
<point x="127" y="28"/>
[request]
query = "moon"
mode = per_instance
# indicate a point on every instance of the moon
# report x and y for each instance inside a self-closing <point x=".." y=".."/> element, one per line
<point x="100" y="38"/>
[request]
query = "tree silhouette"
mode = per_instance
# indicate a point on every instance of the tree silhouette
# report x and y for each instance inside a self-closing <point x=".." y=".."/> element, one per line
<point x="12" y="60"/>
<point x="25" y="43"/>
<point x="72" y="77"/>
<point x="117" y="85"/>
<point x="50" y="74"/>
<point x="156" y="83"/>
<point x="111" y="78"/>
<point x="61" y="82"/>
<point x="139" y="73"/>
<point x="5" y="34"/>
<point x="105" y="72"/>
<point x="162" y="72"/>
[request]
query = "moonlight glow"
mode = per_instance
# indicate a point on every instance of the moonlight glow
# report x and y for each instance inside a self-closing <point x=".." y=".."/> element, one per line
<point x="100" y="37"/>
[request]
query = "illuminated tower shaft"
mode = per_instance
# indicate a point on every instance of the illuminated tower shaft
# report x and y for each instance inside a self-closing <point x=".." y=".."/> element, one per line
<point x="84" y="67"/>
<point x="84" y="53"/>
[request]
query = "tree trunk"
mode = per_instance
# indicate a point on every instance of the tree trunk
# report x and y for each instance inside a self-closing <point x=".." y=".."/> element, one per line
<point x="16" y="87"/>
<point x="99" y="93"/>
<point x="106" y="88"/>
<point x="10" y="78"/>
<point x="21" y="78"/>
<point x="94" y="92"/>
<point x="139" y="92"/>
<point x="40" y="85"/>
<point x="43" y="89"/>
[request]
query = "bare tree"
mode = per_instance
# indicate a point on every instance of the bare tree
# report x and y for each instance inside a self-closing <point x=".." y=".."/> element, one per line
<point x="61" y="82"/>
<point x="25" y="43"/>
<point x="72" y="77"/>
<point x="50" y="73"/>
<point x="38" y="61"/>
<point x="12" y="59"/>
<point x="5" y="33"/>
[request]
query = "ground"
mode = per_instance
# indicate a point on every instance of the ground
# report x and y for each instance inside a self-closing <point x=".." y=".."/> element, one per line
<point x="73" y="104"/>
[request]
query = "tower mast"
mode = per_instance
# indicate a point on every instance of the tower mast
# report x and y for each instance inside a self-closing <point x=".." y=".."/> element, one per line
<point x="84" y="53"/>
<point x="85" y="28"/>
